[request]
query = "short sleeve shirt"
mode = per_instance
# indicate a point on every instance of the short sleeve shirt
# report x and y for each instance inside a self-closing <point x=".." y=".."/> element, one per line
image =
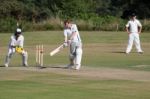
<point x="133" y="26"/>
<point x="18" y="42"/>
<point x="69" y="32"/>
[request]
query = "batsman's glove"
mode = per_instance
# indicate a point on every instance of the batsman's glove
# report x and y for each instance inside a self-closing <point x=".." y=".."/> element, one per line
<point x="19" y="49"/>
<point x="65" y="44"/>
<point x="69" y="42"/>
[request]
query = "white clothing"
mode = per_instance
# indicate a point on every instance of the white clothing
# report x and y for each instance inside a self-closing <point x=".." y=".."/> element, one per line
<point x="134" y="35"/>
<point x="11" y="50"/>
<point x="75" y="45"/>
<point x="69" y="32"/>
<point x="18" y="30"/>
<point x="18" y="42"/>
<point x="134" y="38"/>
<point x="78" y="58"/>
<point x="133" y="26"/>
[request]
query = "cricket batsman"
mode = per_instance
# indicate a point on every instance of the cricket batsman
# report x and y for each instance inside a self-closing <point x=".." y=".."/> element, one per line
<point x="73" y="40"/>
<point x="16" y="46"/>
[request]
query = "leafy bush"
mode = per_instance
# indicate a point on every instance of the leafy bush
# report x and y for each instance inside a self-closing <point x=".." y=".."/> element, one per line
<point x="7" y="25"/>
<point x="146" y="27"/>
<point x="96" y="23"/>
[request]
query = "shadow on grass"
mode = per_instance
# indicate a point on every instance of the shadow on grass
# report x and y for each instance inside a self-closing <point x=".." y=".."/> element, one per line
<point x="2" y="66"/>
<point x="121" y="52"/>
<point x="60" y="67"/>
<point x="49" y="66"/>
<point x="38" y="67"/>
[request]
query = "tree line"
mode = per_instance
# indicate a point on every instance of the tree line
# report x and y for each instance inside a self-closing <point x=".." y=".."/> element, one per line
<point x="35" y="11"/>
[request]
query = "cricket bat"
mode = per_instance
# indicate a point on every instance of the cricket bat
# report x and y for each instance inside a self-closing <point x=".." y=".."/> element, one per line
<point x="56" y="50"/>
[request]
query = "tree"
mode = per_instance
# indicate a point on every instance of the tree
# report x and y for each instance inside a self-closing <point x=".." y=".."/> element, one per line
<point x="75" y="9"/>
<point x="11" y="8"/>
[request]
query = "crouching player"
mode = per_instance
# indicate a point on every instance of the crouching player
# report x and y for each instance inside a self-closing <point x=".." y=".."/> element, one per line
<point x="73" y="40"/>
<point x="16" y="45"/>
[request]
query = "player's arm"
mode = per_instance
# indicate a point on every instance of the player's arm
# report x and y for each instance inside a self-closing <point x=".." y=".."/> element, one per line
<point x="65" y="38"/>
<point x="127" y="28"/>
<point x="12" y="42"/>
<point x="139" y="27"/>
<point x="21" y="42"/>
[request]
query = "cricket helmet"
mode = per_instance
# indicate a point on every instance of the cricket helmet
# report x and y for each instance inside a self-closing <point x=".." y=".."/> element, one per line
<point x="18" y="31"/>
<point x="133" y="14"/>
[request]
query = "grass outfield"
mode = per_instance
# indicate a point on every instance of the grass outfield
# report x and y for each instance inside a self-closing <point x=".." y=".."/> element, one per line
<point x="107" y="72"/>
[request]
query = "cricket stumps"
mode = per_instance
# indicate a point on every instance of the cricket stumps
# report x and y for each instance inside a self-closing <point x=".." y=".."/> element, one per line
<point x="39" y="55"/>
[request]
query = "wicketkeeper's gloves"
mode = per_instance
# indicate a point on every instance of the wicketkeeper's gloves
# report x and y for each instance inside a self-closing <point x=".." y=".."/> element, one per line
<point x="19" y="49"/>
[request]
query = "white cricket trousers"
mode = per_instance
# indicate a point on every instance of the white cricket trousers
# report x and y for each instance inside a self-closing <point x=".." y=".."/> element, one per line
<point x="76" y="53"/>
<point x="134" y="38"/>
<point x="10" y="53"/>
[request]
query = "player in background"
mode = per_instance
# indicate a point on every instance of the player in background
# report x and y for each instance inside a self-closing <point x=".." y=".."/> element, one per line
<point x="16" y="45"/>
<point x="133" y="28"/>
<point x="73" y="40"/>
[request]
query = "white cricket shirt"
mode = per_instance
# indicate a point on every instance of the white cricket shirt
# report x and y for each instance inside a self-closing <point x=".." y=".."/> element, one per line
<point x="69" y="32"/>
<point x="133" y="25"/>
<point x="18" y="42"/>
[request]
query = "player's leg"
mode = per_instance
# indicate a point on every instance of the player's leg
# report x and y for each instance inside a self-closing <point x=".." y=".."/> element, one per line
<point x="78" y="57"/>
<point x="72" y="54"/>
<point x="130" y="43"/>
<point x="24" y="58"/>
<point x="10" y="53"/>
<point x="137" y="43"/>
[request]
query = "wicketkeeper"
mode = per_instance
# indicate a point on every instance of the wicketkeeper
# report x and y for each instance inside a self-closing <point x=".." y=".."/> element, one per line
<point x="16" y="46"/>
<point x="73" y="40"/>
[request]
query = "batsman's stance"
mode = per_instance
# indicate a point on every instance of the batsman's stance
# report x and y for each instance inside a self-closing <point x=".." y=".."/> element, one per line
<point x="72" y="39"/>
<point x="16" y="45"/>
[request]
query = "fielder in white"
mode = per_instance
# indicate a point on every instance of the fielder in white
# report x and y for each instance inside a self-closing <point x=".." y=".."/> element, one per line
<point x="16" y="45"/>
<point x="133" y="28"/>
<point x="73" y="40"/>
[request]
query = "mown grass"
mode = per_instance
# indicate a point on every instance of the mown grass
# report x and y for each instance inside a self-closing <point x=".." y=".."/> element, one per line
<point x="101" y="49"/>
<point x="36" y="85"/>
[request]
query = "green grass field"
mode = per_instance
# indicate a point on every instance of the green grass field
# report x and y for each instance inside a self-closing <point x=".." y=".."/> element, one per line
<point x="106" y="72"/>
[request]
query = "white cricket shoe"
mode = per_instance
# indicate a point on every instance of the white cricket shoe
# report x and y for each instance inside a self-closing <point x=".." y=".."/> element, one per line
<point x="25" y="65"/>
<point x="77" y="67"/>
<point x="6" y="65"/>
<point x="140" y="52"/>
<point x="127" y="53"/>
<point x="70" y="66"/>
